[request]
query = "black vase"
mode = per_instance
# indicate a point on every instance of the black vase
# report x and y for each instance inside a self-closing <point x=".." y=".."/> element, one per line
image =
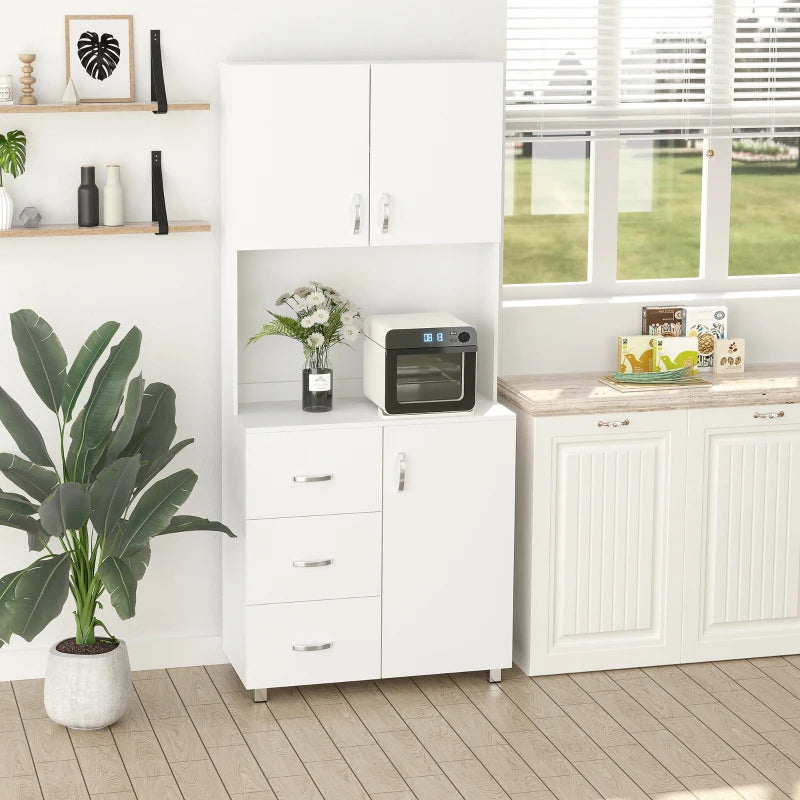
<point x="317" y="389"/>
<point x="88" y="200"/>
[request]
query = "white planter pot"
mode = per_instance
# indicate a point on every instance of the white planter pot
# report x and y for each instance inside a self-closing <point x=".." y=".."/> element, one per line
<point x="87" y="692"/>
<point x="6" y="209"/>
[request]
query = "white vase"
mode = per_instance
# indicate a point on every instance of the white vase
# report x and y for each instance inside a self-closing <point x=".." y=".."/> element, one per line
<point x="6" y="209"/>
<point x="113" y="203"/>
<point x="87" y="692"/>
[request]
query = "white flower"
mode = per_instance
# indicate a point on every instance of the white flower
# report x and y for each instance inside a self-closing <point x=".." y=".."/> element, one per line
<point x="316" y="298"/>
<point x="350" y="333"/>
<point x="321" y="316"/>
<point x="307" y="322"/>
<point x="315" y="340"/>
<point x="347" y="318"/>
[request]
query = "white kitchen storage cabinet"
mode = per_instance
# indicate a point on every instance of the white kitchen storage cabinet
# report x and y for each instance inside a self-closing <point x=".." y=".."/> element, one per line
<point x="350" y="155"/>
<point x="599" y="541"/>
<point x="742" y="595"/>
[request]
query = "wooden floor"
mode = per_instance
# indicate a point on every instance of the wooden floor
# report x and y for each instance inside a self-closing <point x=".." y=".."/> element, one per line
<point x="721" y="731"/>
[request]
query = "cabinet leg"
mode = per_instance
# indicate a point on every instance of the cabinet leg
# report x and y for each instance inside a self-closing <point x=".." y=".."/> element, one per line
<point x="259" y="695"/>
<point x="495" y="675"/>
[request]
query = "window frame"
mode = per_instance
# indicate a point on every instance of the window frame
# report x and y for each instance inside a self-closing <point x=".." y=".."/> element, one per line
<point x="719" y="112"/>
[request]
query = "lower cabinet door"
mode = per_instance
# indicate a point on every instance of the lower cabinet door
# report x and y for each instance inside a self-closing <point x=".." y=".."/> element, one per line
<point x="293" y="644"/>
<point x="448" y="528"/>
<point x="606" y="552"/>
<point x="742" y="594"/>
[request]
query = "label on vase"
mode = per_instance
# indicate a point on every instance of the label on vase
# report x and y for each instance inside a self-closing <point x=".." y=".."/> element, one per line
<point x="319" y="383"/>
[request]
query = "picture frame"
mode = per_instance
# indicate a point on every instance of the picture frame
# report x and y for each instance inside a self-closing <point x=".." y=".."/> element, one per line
<point x="99" y="57"/>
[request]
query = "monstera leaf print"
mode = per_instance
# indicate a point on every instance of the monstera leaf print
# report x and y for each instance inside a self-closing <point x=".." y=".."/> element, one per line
<point x="99" y="55"/>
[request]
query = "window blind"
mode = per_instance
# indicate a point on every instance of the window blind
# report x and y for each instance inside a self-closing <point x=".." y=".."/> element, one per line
<point x="604" y="69"/>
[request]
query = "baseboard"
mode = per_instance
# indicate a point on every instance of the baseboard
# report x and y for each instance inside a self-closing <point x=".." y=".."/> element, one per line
<point x="23" y="660"/>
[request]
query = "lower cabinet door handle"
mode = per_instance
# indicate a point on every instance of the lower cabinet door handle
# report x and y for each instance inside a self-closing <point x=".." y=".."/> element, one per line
<point x="769" y="415"/>
<point x="323" y="562"/>
<point x="311" y="478"/>
<point x="617" y="423"/>
<point x="308" y="648"/>
<point x="401" y="477"/>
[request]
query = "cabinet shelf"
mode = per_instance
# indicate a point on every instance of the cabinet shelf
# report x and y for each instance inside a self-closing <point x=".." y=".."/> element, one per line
<point x="189" y="226"/>
<point x="87" y="108"/>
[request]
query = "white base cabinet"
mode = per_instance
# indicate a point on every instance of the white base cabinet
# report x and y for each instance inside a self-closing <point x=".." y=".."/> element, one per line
<point x="380" y="549"/>
<point x="656" y="537"/>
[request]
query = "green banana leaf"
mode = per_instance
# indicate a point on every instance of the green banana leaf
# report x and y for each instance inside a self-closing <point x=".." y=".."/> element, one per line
<point x="155" y="509"/>
<point x="36" y="481"/>
<point x="125" y="427"/>
<point x="23" y="431"/>
<point x="41" y="355"/>
<point x="139" y="561"/>
<point x="39" y="595"/>
<point x="111" y="493"/>
<point x="66" y="509"/>
<point x="7" y="584"/>
<point x="12" y="503"/>
<point x="37" y="536"/>
<point x="83" y="365"/>
<point x="184" y="522"/>
<point x="149" y="471"/>
<point x="155" y="428"/>
<point x="120" y="582"/>
<point x="93" y="424"/>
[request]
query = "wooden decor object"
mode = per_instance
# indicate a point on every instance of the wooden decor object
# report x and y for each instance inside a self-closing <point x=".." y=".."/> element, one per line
<point x="27" y="80"/>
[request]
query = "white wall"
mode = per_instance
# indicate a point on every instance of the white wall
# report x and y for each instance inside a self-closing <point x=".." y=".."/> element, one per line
<point x="169" y="286"/>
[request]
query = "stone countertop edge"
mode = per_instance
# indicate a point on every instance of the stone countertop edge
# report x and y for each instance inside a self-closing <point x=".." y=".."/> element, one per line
<point x="570" y="394"/>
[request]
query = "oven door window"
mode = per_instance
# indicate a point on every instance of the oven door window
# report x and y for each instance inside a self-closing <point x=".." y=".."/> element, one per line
<point x="430" y="378"/>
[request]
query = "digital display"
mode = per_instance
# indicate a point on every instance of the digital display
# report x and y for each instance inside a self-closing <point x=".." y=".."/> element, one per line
<point x="440" y="337"/>
<point x="427" y="337"/>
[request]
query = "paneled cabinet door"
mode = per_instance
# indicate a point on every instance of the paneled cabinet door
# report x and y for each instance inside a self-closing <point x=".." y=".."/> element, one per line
<point x="448" y="519"/>
<point x="607" y="545"/>
<point x="742" y="595"/>
<point x="437" y="138"/>
<point x="296" y="146"/>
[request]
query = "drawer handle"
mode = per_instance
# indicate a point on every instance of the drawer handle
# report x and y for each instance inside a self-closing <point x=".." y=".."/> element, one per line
<point x="769" y="415"/>
<point x="309" y="648"/>
<point x="616" y="423"/>
<point x="312" y="478"/>
<point x="324" y="562"/>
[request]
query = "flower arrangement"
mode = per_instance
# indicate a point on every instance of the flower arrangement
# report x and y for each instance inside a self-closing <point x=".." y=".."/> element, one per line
<point x="321" y="318"/>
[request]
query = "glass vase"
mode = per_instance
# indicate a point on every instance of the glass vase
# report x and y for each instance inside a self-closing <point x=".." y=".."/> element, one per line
<point x="317" y="389"/>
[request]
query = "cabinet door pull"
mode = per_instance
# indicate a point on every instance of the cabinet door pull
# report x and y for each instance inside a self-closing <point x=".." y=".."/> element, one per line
<point x="356" y="214"/>
<point x="616" y="423"/>
<point x="323" y="562"/>
<point x="309" y="648"/>
<point x="385" y="207"/>
<point x="769" y="415"/>
<point x="401" y="478"/>
<point x="311" y="478"/>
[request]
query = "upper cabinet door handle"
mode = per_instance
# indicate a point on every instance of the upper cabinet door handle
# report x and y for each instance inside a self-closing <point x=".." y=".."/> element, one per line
<point x="769" y="415"/>
<point x="311" y="478"/>
<point x="356" y="214"/>
<point x="616" y="423"/>
<point x="385" y="207"/>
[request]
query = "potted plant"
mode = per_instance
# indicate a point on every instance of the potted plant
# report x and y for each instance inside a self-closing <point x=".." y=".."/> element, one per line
<point x="90" y="513"/>
<point x="12" y="161"/>
<point x="322" y="318"/>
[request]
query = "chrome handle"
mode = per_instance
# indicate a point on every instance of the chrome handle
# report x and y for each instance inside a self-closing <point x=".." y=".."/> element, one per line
<point x="324" y="562"/>
<point x="308" y="648"/>
<point x="385" y="207"/>
<point x="356" y="214"/>
<point x="769" y="415"/>
<point x="616" y="423"/>
<point x="401" y="480"/>
<point x="312" y="478"/>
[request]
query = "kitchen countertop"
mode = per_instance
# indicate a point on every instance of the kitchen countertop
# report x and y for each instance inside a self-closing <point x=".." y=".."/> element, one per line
<point x="564" y="394"/>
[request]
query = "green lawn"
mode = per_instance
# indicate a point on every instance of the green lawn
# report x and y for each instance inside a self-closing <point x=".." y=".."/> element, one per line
<point x="663" y="242"/>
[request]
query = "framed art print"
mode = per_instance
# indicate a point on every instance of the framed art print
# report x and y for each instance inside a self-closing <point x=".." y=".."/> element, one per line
<point x="100" y="57"/>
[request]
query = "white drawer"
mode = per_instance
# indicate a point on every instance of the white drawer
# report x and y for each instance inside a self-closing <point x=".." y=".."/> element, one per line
<point x="313" y="558"/>
<point x="303" y="473"/>
<point x="347" y="634"/>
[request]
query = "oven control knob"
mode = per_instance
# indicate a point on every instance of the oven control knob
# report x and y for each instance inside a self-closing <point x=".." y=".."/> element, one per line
<point x="463" y="336"/>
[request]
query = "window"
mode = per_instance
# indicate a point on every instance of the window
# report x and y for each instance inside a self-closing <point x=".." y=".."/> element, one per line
<point x="650" y="145"/>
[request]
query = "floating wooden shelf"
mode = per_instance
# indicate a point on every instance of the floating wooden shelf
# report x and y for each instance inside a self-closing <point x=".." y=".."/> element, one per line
<point x="86" y="108"/>
<point x="190" y="226"/>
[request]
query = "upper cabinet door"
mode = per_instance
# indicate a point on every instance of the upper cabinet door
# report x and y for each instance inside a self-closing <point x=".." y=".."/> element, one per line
<point x="296" y="145"/>
<point x="436" y="140"/>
